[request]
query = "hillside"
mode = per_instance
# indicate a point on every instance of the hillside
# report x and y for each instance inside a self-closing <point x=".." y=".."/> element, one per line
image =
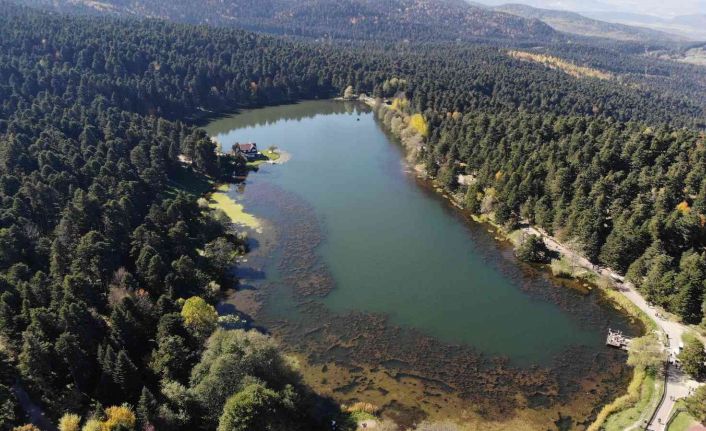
<point x="574" y="23"/>
<point x="417" y="20"/>
<point x="110" y="263"/>
<point x="691" y="27"/>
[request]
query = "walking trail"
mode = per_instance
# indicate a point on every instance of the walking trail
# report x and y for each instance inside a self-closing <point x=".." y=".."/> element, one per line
<point x="678" y="384"/>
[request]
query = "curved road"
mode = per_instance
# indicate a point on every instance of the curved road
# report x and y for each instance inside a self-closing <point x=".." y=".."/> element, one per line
<point x="678" y="384"/>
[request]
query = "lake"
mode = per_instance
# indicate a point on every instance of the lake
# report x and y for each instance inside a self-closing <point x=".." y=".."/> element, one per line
<point x="386" y="292"/>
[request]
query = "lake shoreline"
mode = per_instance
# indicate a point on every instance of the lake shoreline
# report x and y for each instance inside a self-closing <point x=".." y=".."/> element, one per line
<point x="503" y="235"/>
<point x="429" y="184"/>
<point x="612" y="296"/>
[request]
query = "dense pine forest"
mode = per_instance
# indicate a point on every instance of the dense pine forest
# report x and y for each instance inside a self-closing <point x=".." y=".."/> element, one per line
<point x="105" y="261"/>
<point x="108" y="269"/>
<point x="630" y="196"/>
<point x="392" y="20"/>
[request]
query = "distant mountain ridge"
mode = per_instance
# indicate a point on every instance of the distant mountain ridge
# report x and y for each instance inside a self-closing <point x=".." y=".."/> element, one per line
<point x="690" y="26"/>
<point x="575" y="23"/>
<point x="425" y="20"/>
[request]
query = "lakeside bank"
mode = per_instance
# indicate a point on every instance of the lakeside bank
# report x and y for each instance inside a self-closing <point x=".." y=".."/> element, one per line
<point x="305" y="127"/>
<point x="641" y="385"/>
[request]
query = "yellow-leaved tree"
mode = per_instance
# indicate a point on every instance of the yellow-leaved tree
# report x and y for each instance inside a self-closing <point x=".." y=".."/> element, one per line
<point x="683" y="207"/>
<point x="199" y="316"/>
<point x="399" y="104"/>
<point x="70" y="422"/>
<point x="118" y="417"/>
<point x="92" y="425"/>
<point x="419" y="124"/>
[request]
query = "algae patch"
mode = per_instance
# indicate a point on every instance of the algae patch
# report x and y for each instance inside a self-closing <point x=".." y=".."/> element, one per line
<point x="220" y="199"/>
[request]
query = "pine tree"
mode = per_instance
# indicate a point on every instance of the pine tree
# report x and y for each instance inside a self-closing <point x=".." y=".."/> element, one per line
<point x="146" y="407"/>
<point x="126" y="375"/>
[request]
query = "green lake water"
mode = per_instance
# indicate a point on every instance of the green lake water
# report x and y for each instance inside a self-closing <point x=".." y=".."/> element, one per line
<point x="393" y="248"/>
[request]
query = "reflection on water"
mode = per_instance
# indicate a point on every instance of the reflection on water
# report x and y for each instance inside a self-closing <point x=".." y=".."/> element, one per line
<point x="271" y="115"/>
<point x="388" y="296"/>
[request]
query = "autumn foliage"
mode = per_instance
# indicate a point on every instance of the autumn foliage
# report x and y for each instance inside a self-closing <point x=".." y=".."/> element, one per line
<point x="419" y="124"/>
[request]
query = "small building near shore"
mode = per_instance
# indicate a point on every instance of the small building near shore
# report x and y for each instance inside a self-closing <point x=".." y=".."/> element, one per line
<point x="249" y="150"/>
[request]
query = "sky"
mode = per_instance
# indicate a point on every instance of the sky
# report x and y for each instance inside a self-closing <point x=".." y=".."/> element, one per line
<point x="662" y="8"/>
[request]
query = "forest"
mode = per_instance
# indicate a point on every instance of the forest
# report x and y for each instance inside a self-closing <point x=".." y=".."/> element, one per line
<point x="109" y="269"/>
<point x="627" y="195"/>
<point x="391" y="20"/>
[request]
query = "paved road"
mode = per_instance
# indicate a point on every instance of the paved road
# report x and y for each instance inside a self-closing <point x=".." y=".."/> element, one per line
<point x="678" y="384"/>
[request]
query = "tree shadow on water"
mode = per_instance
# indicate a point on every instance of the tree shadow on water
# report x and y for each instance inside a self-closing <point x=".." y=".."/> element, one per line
<point x="249" y="273"/>
<point x="253" y="244"/>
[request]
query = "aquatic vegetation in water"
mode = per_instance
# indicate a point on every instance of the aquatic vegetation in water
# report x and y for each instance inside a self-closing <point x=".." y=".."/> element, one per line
<point x="376" y="354"/>
<point x="220" y="200"/>
<point x="412" y="334"/>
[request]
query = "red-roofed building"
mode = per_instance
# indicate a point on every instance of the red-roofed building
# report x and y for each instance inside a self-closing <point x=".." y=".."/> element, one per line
<point x="249" y="150"/>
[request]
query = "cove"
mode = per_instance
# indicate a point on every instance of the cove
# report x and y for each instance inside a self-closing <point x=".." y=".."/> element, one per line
<point x="378" y="249"/>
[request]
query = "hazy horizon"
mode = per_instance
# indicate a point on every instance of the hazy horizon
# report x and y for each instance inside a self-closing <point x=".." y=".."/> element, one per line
<point x="658" y="8"/>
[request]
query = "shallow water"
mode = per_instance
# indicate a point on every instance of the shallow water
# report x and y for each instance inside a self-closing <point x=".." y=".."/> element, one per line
<point x="364" y="266"/>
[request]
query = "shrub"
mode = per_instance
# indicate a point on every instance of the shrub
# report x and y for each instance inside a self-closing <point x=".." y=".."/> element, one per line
<point x="532" y="249"/>
<point x="70" y="422"/>
<point x="561" y="269"/>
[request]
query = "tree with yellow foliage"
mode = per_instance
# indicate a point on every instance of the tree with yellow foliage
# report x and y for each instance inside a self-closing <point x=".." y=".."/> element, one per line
<point x="119" y="417"/>
<point x="92" y="425"/>
<point x="419" y="124"/>
<point x="70" y="422"/>
<point x="399" y="104"/>
<point x="683" y="207"/>
<point x="199" y="316"/>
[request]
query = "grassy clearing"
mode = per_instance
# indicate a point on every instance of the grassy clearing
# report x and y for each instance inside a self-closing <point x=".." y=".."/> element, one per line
<point x="566" y="268"/>
<point x="562" y="268"/>
<point x="188" y="181"/>
<point x="682" y="421"/>
<point x="358" y="417"/>
<point x="220" y="200"/>
<point x="272" y="155"/>
<point x="268" y="156"/>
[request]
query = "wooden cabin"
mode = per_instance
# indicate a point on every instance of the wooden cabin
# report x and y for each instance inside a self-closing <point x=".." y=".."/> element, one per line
<point x="249" y="150"/>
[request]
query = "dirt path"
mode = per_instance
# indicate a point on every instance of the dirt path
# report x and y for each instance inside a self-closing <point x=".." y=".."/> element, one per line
<point x="678" y="384"/>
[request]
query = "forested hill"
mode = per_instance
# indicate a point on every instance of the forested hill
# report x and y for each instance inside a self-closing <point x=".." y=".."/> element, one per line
<point x="574" y="23"/>
<point x="417" y="20"/>
<point x="107" y="266"/>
